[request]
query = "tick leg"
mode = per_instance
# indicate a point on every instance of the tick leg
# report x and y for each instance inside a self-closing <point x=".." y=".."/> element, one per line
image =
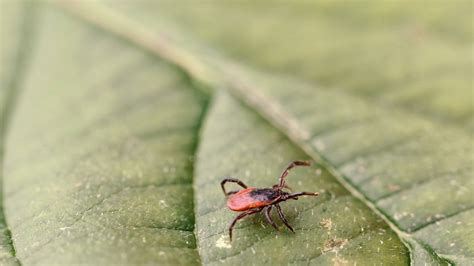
<point x="240" y="216"/>
<point x="288" y="168"/>
<point x="233" y="180"/>
<point x="269" y="217"/>
<point x="297" y="194"/>
<point x="283" y="218"/>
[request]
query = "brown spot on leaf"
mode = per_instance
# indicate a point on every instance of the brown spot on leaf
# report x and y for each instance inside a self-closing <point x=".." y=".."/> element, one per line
<point x="334" y="244"/>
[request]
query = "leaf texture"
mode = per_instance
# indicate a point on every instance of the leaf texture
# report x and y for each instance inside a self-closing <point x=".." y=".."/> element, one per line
<point x="394" y="147"/>
<point x="412" y="56"/>
<point x="333" y="228"/>
<point x="98" y="157"/>
<point x="15" y="34"/>
<point x="98" y="160"/>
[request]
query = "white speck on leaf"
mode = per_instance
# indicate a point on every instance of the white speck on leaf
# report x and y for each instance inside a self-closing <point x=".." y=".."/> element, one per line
<point x="222" y="242"/>
<point x="337" y="261"/>
<point x="163" y="204"/>
<point x="326" y="224"/>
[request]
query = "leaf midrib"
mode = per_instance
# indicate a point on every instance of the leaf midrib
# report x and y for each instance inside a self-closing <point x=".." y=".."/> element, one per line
<point x="198" y="72"/>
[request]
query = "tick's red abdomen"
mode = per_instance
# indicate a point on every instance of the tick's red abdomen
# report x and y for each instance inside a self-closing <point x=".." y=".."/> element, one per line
<point x="249" y="198"/>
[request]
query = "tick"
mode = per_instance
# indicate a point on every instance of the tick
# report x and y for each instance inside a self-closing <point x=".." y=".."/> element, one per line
<point x="251" y="200"/>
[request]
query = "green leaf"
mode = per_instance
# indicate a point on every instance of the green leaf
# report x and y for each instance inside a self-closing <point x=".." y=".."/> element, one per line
<point x="415" y="173"/>
<point x="392" y="112"/>
<point x="333" y="228"/>
<point x="15" y="22"/>
<point x="99" y="134"/>
<point x="98" y="165"/>
<point x="414" y="55"/>
<point x="394" y="132"/>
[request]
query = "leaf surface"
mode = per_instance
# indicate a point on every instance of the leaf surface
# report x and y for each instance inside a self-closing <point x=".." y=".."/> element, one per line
<point x="396" y="133"/>
<point x="98" y="157"/>
<point x="412" y="55"/>
<point x="333" y="228"/>
<point x="97" y="161"/>
<point x="15" y="25"/>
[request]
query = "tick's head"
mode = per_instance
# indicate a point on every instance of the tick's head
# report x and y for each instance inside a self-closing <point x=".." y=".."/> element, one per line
<point x="281" y="192"/>
<point x="286" y="196"/>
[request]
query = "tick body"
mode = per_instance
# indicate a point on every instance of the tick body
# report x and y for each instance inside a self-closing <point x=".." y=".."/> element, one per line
<point x="251" y="200"/>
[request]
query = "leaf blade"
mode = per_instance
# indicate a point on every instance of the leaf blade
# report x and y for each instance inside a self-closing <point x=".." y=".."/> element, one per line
<point x="16" y="32"/>
<point x="391" y="53"/>
<point x="332" y="228"/>
<point x="296" y="126"/>
<point x="287" y="103"/>
<point x="98" y="184"/>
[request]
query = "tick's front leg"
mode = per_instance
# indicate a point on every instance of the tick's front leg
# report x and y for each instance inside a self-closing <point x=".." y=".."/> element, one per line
<point x="233" y="180"/>
<point x="285" y="172"/>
